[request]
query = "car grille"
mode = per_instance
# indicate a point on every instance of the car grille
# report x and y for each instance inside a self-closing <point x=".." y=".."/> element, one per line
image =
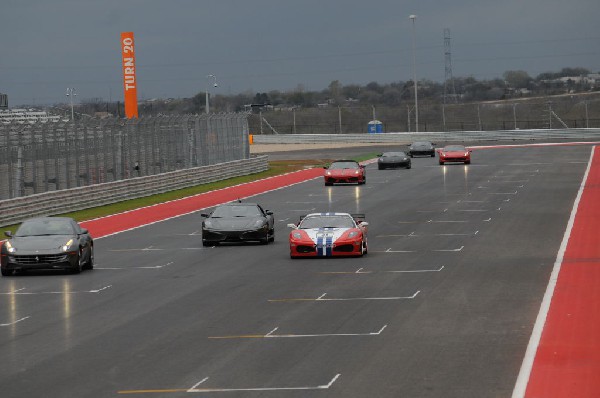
<point x="305" y="249"/>
<point x="40" y="259"/>
<point x="344" y="248"/>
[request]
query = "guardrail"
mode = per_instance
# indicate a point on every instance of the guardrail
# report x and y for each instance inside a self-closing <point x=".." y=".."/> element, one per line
<point x="451" y="136"/>
<point x="67" y="200"/>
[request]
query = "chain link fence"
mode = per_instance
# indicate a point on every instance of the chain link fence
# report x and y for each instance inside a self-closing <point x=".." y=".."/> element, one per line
<point x="43" y="157"/>
<point x="541" y="113"/>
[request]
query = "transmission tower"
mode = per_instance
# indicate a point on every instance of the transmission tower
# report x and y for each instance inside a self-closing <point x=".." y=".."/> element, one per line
<point x="448" y="79"/>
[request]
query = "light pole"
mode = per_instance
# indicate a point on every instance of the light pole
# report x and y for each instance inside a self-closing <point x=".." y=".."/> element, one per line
<point x="71" y="93"/>
<point x="208" y="77"/>
<point x="413" y="17"/>
<point x="515" y="114"/>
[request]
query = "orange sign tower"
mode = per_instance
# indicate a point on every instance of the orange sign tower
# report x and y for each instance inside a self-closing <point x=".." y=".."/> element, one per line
<point x="129" y="80"/>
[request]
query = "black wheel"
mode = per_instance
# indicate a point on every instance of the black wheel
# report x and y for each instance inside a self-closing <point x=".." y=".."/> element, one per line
<point x="6" y="272"/>
<point x="433" y="155"/>
<point x="328" y="184"/>
<point x="468" y="162"/>
<point x="380" y="167"/>
<point x="411" y="155"/>
<point x="409" y="166"/>
<point x="441" y="163"/>
<point x="76" y="269"/>
<point x="206" y="244"/>
<point x="272" y="238"/>
<point x="90" y="262"/>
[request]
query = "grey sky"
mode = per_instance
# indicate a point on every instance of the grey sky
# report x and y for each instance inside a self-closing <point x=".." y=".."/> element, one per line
<point x="261" y="45"/>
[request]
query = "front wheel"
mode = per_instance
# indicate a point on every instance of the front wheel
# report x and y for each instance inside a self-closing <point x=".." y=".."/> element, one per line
<point x="90" y="262"/>
<point x="78" y="267"/>
<point x="441" y="163"/>
<point x="468" y="162"/>
<point x="6" y="272"/>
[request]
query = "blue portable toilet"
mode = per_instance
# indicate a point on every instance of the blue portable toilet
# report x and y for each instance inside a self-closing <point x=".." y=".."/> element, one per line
<point x="375" y="127"/>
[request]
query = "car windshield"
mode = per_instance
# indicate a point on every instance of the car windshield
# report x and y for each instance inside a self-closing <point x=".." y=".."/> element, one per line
<point x="422" y="144"/>
<point x="394" y="154"/>
<point x="455" y="148"/>
<point x="339" y="221"/>
<point x="45" y="227"/>
<point x="344" y="165"/>
<point x="236" y="211"/>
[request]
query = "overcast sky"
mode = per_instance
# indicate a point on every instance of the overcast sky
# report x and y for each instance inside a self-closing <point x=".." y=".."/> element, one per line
<point x="262" y="45"/>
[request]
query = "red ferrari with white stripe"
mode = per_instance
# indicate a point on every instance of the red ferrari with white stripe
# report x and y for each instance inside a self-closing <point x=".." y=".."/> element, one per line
<point x="329" y="235"/>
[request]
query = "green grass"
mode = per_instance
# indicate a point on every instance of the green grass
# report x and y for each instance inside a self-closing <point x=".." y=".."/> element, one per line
<point x="275" y="168"/>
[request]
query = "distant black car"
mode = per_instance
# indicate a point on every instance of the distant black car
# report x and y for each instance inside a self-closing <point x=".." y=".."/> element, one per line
<point x="392" y="160"/>
<point x="47" y="243"/>
<point x="238" y="222"/>
<point x="422" y="148"/>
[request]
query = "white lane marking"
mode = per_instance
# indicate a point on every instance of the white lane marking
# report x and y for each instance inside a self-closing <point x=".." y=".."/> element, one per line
<point x="503" y="193"/>
<point x="197" y="384"/>
<point x="488" y="220"/>
<point x="441" y="221"/>
<point x="395" y="251"/>
<point x="360" y="271"/>
<point x="538" y="327"/>
<point x="148" y="267"/>
<point x="15" y="322"/>
<point x="321" y="387"/>
<point x="61" y="292"/>
<point x="285" y="336"/>
<point x="449" y="250"/>
<point x="419" y="271"/>
<point x="283" y="220"/>
<point x="322" y="298"/>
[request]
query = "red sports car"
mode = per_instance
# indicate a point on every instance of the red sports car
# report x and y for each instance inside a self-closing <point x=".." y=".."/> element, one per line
<point x="345" y="171"/>
<point x="454" y="153"/>
<point x="328" y="235"/>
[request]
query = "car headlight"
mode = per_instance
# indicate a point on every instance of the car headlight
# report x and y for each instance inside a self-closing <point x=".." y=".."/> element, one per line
<point x="405" y="158"/>
<point x="207" y="223"/>
<point x="259" y="224"/>
<point x="466" y="153"/>
<point x="353" y="234"/>
<point x="328" y="173"/>
<point x="67" y="245"/>
<point x="356" y="172"/>
<point x="10" y="247"/>
<point x="296" y="235"/>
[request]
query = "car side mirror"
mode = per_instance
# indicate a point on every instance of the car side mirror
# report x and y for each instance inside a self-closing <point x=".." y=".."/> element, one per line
<point x="379" y="154"/>
<point x="325" y="167"/>
<point x="84" y="231"/>
<point x="294" y="226"/>
<point x="204" y="215"/>
<point x="364" y="224"/>
<point x="269" y="212"/>
<point x="8" y="234"/>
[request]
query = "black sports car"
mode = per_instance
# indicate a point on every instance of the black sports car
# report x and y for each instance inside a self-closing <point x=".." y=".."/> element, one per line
<point x="47" y="243"/>
<point x="422" y="148"/>
<point x="238" y="222"/>
<point x="393" y="159"/>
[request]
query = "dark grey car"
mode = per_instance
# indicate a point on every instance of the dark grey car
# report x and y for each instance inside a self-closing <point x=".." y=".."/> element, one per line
<point x="238" y="222"/>
<point x="47" y="243"/>
<point x="393" y="160"/>
<point x="422" y="148"/>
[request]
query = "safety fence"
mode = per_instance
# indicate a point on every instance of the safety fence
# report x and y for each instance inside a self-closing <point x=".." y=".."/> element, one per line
<point x="43" y="157"/>
<point x="68" y="200"/>
<point x="404" y="138"/>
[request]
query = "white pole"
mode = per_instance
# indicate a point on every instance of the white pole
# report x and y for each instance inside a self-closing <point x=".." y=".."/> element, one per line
<point x="340" y="118"/>
<point x="413" y="17"/>
<point x="515" y="114"/>
<point x="208" y="77"/>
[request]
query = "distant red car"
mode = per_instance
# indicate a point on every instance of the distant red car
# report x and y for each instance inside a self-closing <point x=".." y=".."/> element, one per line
<point x="329" y="235"/>
<point x="345" y="171"/>
<point x="454" y="153"/>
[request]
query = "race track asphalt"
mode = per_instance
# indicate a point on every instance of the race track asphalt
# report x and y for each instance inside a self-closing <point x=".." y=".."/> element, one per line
<point x="443" y="304"/>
